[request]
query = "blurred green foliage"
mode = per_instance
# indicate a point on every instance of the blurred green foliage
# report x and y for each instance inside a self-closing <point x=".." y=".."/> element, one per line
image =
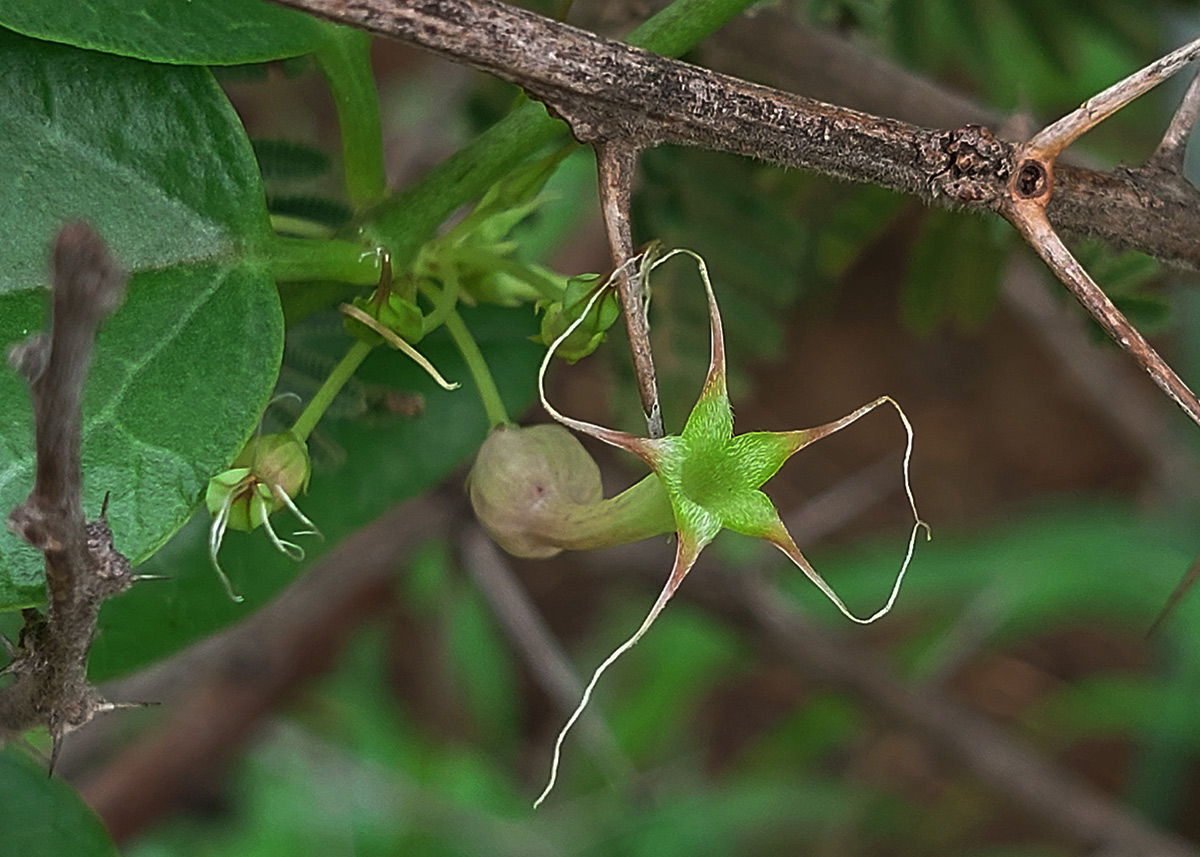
<point x="355" y="768"/>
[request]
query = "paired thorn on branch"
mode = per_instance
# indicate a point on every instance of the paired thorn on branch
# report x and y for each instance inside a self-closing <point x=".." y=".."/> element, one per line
<point x="1032" y="186"/>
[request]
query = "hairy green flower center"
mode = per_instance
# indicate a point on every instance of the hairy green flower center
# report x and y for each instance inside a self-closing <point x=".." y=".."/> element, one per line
<point x="708" y="475"/>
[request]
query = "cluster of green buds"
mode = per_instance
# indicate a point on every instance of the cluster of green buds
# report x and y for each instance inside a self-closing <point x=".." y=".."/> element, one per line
<point x="478" y="261"/>
<point x="478" y="258"/>
<point x="267" y="475"/>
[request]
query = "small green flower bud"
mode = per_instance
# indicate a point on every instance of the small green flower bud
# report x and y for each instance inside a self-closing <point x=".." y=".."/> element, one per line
<point x="537" y="491"/>
<point x="270" y="470"/>
<point x="269" y="464"/>
<point x="559" y="315"/>
<point x="525" y="480"/>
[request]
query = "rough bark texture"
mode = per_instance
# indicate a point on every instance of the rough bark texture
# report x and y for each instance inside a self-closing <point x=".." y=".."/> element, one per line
<point x="607" y="90"/>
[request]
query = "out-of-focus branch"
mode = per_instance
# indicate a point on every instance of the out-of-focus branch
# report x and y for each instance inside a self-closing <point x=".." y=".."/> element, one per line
<point x="1061" y="801"/>
<point x="1171" y="151"/>
<point x="533" y="640"/>
<point x="239" y="676"/>
<point x="1099" y="376"/>
<point x="1058" y="799"/>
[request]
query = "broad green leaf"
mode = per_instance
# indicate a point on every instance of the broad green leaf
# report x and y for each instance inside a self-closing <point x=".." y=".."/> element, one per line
<point x="179" y="376"/>
<point x="213" y="32"/>
<point x="362" y="465"/>
<point x="43" y="816"/>
<point x="284" y="160"/>
<point x="153" y="157"/>
<point x="156" y="160"/>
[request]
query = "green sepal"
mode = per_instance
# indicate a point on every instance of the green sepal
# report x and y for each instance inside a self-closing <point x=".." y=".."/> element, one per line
<point x="397" y="314"/>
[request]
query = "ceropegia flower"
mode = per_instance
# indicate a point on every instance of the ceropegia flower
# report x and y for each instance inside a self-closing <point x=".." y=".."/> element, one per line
<point x="713" y="479"/>
<point x="269" y="472"/>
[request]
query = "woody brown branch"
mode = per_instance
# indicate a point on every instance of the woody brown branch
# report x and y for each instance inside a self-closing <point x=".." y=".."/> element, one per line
<point x="610" y="91"/>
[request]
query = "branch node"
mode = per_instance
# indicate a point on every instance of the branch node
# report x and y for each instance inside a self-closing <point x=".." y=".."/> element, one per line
<point x="1032" y="180"/>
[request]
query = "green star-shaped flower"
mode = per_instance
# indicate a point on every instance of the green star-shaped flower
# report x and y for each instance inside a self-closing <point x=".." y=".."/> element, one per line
<point x="713" y="479"/>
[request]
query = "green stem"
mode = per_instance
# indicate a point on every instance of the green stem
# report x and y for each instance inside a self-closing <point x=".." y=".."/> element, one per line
<point x="295" y="260"/>
<point x="337" y="379"/>
<point x="489" y="394"/>
<point x="684" y="24"/>
<point x="444" y="301"/>
<point x="299" y="227"/>
<point x="346" y="61"/>
<point x="639" y="512"/>
<point x="406" y="220"/>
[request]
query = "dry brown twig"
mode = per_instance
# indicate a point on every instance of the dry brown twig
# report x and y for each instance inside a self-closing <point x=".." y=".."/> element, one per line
<point x="49" y="662"/>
